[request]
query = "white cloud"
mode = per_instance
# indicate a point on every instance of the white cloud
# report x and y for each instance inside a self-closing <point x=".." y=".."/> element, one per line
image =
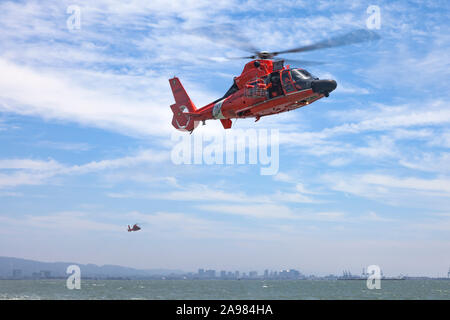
<point x="372" y="216"/>
<point x="207" y="193"/>
<point x="275" y="211"/>
<point x="383" y="118"/>
<point x="255" y="211"/>
<point x="23" y="178"/>
<point x="441" y="140"/>
<point x="432" y="194"/>
<point x="440" y="186"/>
<point x="283" y="177"/>
<point x="28" y="91"/>
<point x="378" y="148"/>
<point x="30" y="164"/>
<point x="431" y="162"/>
<point x="67" y="146"/>
<point x="142" y="157"/>
<point x="68" y="221"/>
<point x="35" y="172"/>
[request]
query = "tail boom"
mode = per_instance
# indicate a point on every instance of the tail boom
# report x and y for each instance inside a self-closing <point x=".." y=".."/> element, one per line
<point x="183" y="109"/>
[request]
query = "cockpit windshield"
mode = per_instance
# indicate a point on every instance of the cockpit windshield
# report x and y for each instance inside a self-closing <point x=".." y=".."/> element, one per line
<point x="301" y="74"/>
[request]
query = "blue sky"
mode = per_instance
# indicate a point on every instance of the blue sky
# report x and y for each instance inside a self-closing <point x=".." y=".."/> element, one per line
<point x="85" y="139"/>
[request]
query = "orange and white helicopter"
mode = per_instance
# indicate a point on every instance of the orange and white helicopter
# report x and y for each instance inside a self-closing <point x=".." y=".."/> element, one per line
<point x="134" y="228"/>
<point x="265" y="87"/>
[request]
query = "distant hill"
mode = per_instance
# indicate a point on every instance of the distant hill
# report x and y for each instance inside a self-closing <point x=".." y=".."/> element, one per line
<point x="58" y="269"/>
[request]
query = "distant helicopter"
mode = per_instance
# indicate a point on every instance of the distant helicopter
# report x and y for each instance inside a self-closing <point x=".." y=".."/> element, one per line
<point x="135" y="228"/>
<point x="265" y="87"/>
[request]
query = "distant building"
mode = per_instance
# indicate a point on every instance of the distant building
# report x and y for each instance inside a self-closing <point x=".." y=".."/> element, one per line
<point x="17" y="273"/>
<point x="266" y="274"/>
<point x="236" y="274"/>
<point x="223" y="274"/>
<point x="210" y="273"/>
<point x="44" y="274"/>
<point x="253" y="274"/>
<point x="289" y="274"/>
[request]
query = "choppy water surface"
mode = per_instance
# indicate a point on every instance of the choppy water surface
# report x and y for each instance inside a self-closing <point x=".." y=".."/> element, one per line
<point x="223" y="289"/>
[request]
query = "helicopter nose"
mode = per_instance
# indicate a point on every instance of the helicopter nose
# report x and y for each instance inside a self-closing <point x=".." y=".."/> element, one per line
<point x="323" y="86"/>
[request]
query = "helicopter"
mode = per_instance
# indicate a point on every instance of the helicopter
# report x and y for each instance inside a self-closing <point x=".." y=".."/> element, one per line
<point x="134" y="228"/>
<point x="265" y="87"/>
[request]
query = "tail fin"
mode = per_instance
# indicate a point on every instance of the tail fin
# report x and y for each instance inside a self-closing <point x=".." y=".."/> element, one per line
<point x="129" y="228"/>
<point x="183" y="105"/>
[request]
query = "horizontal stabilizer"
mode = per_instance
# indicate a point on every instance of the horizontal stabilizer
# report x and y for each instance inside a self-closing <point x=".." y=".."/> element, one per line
<point x="226" y="123"/>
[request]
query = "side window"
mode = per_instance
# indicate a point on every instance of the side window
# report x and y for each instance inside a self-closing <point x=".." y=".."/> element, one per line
<point x="287" y="81"/>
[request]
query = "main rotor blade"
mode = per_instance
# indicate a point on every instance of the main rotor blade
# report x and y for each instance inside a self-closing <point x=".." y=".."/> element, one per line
<point x="238" y="58"/>
<point x="304" y="62"/>
<point x="352" y="37"/>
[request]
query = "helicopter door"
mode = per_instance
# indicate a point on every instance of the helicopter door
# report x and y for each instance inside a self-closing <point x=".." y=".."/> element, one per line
<point x="286" y="80"/>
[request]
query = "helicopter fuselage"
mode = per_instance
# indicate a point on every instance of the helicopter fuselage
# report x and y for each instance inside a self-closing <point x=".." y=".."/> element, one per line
<point x="265" y="87"/>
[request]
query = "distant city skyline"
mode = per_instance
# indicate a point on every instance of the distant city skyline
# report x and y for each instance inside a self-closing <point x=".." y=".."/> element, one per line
<point x="10" y="269"/>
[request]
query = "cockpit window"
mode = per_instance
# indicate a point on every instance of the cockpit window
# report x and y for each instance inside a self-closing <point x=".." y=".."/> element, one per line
<point x="301" y="74"/>
<point x="287" y="82"/>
